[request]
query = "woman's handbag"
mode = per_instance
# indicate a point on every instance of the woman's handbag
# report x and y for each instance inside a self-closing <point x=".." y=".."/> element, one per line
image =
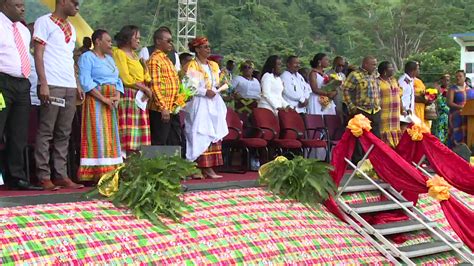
<point x="431" y="112"/>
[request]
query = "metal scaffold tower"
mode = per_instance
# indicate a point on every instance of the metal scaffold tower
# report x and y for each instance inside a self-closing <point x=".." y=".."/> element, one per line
<point x="187" y="20"/>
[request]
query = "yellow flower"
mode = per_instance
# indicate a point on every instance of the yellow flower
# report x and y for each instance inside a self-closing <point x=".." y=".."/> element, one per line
<point x="358" y="124"/>
<point x="180" y="100"/>
<point x="324" y="101"/>
<point x="438" y="188"/>
<point x="264" y="168"/>
<point x="417" y="130"/>
<point x="431" y="91"/>
<point x="335" y="76"/>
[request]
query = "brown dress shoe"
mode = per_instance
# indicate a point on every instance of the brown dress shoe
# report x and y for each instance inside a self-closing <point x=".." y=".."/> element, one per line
<point x="67" y="183"/>
<point x="48" y="185"/>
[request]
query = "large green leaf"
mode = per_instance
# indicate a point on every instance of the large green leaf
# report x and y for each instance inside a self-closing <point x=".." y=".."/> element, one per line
<point x="305" y="180"/>
<point x="151" y="187"/>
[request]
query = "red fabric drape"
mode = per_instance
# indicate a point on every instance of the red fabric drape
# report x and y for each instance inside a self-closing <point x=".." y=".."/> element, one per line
<point x="343" y="149"/>
<point x="392" y="168"/>
<point x="454" y="169"/>
<point x="461" y="218"/>
<point x="410" y="150"/>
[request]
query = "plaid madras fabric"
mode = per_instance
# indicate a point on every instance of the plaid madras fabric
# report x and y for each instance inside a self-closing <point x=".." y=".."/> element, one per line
<point x="64" y="26"/>
<point x="390" y="111"/>
<point x="367" y="91"/>
<point x="241" y="226"/>
<point x="164" y="82"/>
<point x="134" y="124"/>
<point x="100" y="140"/>
<point x="211" y="157"/>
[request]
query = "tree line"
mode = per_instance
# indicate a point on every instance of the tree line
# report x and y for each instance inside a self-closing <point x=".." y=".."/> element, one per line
<point x="392" y="30"/>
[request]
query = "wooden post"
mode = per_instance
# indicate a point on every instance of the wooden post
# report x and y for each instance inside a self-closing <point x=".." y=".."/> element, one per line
<point x="468" y="111"/>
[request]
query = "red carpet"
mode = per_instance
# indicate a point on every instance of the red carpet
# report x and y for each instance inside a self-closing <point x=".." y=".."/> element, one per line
<point x="228" y="177"/>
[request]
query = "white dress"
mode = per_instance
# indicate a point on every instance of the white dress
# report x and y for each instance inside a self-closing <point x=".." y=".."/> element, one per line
<point x="314" y="107"/>
<point x="205" y="120"/>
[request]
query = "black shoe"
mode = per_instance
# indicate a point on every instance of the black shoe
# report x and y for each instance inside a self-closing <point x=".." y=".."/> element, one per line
<point x="25" y="185"/>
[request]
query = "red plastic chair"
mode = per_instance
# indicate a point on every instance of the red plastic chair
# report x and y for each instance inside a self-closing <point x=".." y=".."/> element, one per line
<point x="236" y="140"/>
<point x="315" y="121"/>
<point x="335" y="129"/>
<point x="293" y="127"/>
<point x="268" y="123"/>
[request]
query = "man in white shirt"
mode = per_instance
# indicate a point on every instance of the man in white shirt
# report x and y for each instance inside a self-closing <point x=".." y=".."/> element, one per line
<point x="55" y="39"/>
<point x="15" y="69"/>
<point x="406" y="82"/>
<point x="296" y="91"/>
<point x="146" y="52"/>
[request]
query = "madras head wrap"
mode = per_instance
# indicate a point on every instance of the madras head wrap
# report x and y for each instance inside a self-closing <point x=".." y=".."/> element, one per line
<point x="198" y="41"/>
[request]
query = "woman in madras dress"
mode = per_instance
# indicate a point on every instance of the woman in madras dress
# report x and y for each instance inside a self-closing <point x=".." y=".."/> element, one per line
<point x="134" y="123"/>
<point x="205" y="120"/>
<point x="439" y="128"/>
<point x="99" y="77"/>
<point x="390" y="105"/>
<point x="456" y="100"/>
<point x="246" y="89"/>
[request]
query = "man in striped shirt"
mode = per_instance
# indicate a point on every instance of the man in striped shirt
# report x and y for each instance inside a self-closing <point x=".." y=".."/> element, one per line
<point x="164" y="124"/>
<point x="15" y="69"/>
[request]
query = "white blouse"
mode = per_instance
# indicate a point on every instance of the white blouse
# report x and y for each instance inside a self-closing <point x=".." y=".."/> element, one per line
<point x="248" y="89"/>
<point x="272" y="93"/>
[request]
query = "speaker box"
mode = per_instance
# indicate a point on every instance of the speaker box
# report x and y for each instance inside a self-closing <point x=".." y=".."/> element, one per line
<point x="156" y="151"/>
<point x="463" y="151"/>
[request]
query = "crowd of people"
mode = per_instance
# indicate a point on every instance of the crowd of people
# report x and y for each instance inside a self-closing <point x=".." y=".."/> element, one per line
<point x="128" y="97"/>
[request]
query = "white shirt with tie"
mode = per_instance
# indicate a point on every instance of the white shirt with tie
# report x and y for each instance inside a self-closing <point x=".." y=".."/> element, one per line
<point x="10" y="62"/>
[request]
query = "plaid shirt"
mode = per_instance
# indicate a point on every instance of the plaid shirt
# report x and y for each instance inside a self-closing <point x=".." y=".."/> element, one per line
<point x="366" y="90"/>
<point x="164" y="82"/>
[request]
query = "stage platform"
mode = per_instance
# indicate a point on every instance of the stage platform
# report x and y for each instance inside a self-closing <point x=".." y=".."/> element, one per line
<point x="228" y="221"/>
<point x="12" y="198"/>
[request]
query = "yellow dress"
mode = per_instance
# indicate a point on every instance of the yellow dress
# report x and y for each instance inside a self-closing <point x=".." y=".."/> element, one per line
<point x="420" y="89"/>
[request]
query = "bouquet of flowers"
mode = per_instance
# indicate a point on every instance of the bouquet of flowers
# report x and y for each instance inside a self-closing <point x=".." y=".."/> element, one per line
<point x="430" y="108"/>
<point x="431" y="94"/>
<point x="187" y="89"/>
<point x="331" y="83"/>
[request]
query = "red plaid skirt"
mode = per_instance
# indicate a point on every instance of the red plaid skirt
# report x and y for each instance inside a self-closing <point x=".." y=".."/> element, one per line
<point x="211" y="157"/>
<point x="134" y="124"/>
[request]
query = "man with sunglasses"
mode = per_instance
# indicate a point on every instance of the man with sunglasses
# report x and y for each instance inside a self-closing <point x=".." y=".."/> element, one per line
<point x="147" y="51"/>
<point x="164" y="123"/>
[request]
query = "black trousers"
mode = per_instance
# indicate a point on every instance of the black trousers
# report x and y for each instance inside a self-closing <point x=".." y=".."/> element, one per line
<point x="375" y="119"/>
<point x="14" y="121"/>
<point x="164" y="133"/>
